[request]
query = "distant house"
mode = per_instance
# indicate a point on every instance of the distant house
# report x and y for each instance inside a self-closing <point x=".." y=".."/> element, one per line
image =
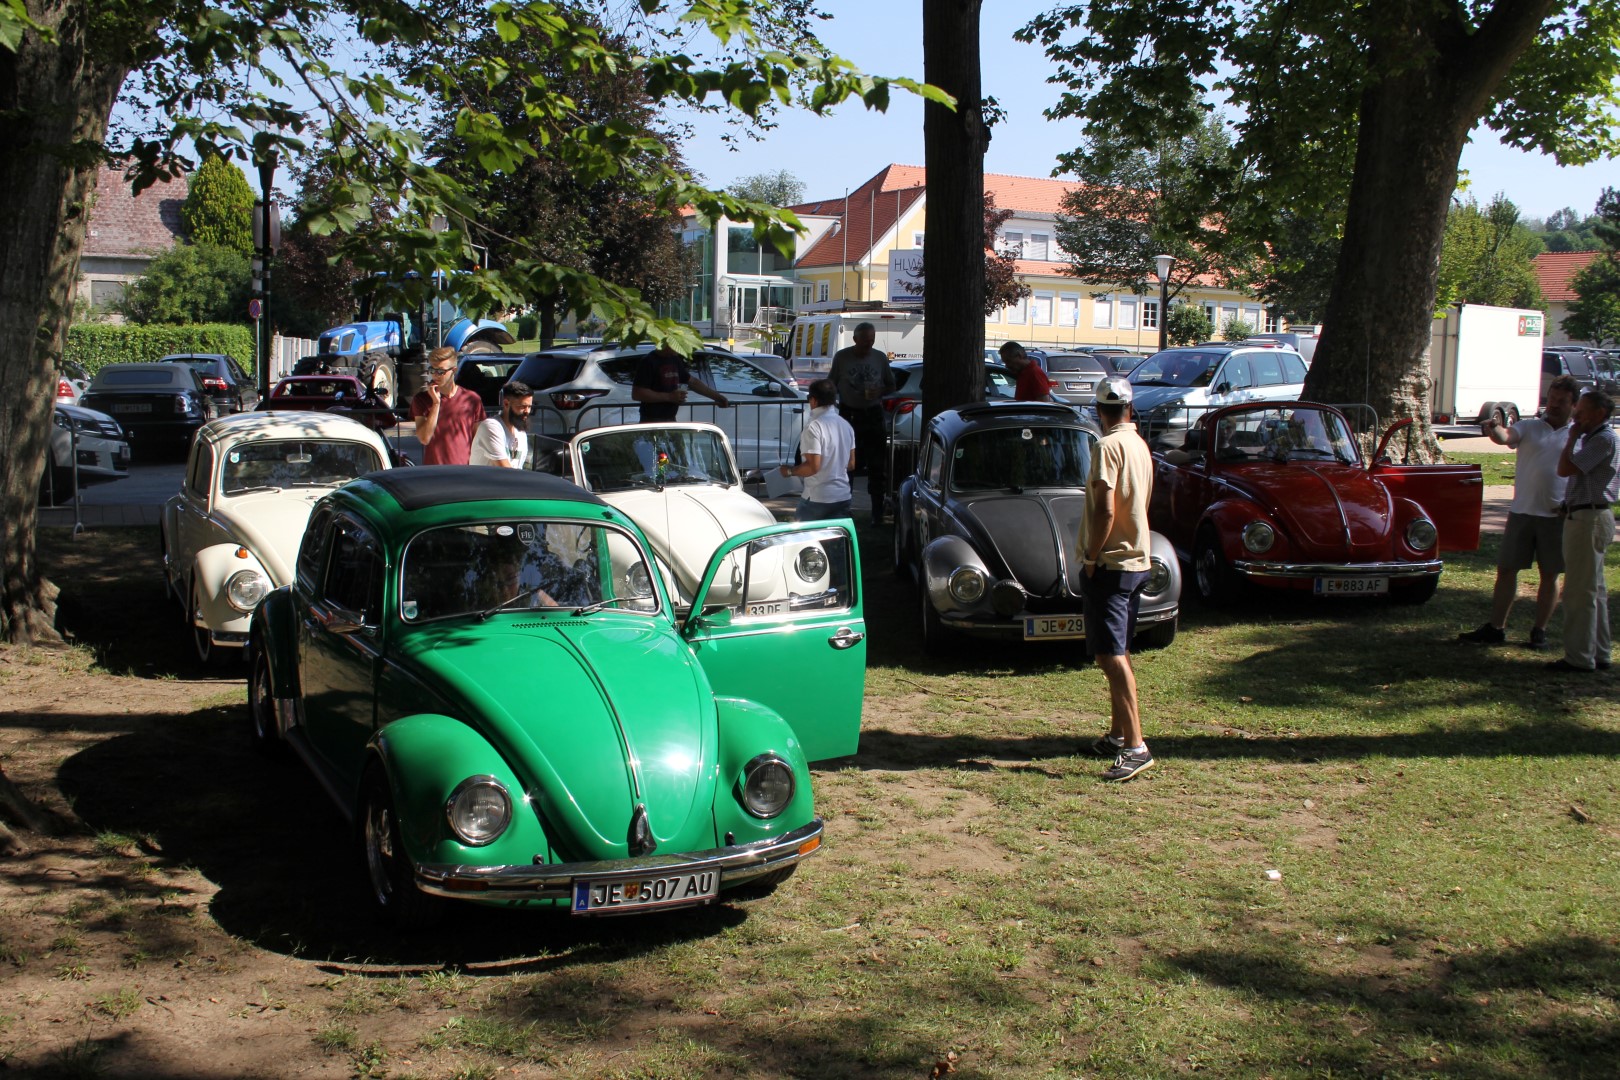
<point x="126" y="231"/>
<point x="1554" y="270"/>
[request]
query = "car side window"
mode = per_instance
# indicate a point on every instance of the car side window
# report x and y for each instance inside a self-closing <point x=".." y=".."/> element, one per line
<point x="202" y="467"/>
<point x="354" y="574"/>
<point x="1267" y="369"/>
<point x="621" y="370"/>
<point x="935" y="463"/>
<point x="311" y="553"/>
<point x="732" y="375"/>
<point x="794" y="572"/>
<point x="1293" y="368"/>
<point x="1235" y="374"/>
<point x="236" y="371"/>
<point x="998" y="384"/>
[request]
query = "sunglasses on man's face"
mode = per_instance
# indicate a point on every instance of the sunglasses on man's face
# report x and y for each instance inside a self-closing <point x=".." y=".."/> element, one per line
<point x="442" y="370"/>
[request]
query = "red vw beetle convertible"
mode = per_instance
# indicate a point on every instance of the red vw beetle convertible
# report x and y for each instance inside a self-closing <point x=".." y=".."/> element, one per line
<point x="1276" y="494"/>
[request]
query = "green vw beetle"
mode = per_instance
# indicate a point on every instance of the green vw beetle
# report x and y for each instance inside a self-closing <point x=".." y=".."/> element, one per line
<point x="484" y="671"/>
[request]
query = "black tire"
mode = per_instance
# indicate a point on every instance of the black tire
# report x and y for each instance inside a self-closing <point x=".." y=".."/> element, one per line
<point x="761" y="886"/>
<point x="1218" y="584"/>
<point x="479" y="345"/>
<point x="1160" y="636"/>
<point x="1414" y="593"/>
<point x="201" y="641"/>
<point x="1499" y="414"/>
<point x="935" y="638"/>
<point x="389" y="879"/>
<point x="61" y="494"/>
<point x="377" y="371"/>
<point x="1512" y="415"/>
<point x="262" y="729"/>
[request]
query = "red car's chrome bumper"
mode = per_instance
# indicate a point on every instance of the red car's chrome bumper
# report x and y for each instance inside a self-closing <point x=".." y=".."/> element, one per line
<point x="1255" y="568"/>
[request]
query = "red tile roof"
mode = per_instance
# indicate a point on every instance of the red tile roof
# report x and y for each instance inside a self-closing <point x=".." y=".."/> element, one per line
<point x="122" y="223"/>
<point x="1555" y="268"/>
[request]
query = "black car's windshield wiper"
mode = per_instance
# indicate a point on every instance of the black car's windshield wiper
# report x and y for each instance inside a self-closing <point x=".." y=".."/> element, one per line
<point x="591" y="609"/>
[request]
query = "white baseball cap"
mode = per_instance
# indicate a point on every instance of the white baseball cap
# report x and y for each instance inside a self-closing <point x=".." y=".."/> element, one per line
<point x="1114" y="390"/>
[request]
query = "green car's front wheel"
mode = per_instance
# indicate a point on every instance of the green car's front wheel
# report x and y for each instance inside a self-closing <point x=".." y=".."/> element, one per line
<point x="388" y="870"/>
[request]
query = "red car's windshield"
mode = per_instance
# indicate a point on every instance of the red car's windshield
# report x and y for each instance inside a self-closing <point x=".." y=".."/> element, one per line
<point x="1289" y="432"/>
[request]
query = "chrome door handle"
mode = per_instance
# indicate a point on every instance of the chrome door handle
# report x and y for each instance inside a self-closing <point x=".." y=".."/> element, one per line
<point x="845" y="638"/>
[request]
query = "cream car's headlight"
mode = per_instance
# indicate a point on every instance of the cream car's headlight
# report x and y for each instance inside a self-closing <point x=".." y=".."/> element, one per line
<point x="812" y="563"/>
<point x="967" y="584"/>
<point x="1158" y="578"/>
<point x="1258" y="537"/>
<point x="245" y="588"/>
<point x="479" y="810"/>
<point x="768" y="786"/>
<point x="1421" y="534"/>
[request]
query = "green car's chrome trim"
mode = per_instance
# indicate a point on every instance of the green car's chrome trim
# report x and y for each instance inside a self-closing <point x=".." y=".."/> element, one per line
<point x="736" y="864"/>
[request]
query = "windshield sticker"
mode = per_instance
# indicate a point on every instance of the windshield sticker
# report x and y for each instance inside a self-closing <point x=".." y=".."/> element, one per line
<point x="526" y="533"/>
<point x="407" y="609"/>
<point x="503" y="530"/>
<point x="1026" y="435"/>
<point x="234" y="457"/>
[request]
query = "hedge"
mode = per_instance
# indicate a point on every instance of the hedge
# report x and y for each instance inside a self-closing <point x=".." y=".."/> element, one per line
<point x="94" y="345"/>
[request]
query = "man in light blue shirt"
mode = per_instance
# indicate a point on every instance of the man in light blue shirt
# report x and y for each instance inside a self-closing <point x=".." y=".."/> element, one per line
<point x="827" y="454"/>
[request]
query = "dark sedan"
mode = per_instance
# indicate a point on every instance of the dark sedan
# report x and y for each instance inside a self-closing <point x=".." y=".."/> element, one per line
<point x="232" y="388"/>
<point x="987" y="528"/>
<point x="155" y="403"/>
<point x="344" y="395"/>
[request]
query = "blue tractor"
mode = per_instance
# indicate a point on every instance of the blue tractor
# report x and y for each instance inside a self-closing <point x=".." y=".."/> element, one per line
<point x="387" y="346"/>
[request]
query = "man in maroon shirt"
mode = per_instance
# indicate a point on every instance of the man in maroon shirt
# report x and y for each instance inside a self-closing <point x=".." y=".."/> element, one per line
<point x="446" y="415"/>
<point x="1033" y="385"/>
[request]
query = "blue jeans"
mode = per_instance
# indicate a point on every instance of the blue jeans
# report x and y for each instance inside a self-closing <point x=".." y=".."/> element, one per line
<point x="814" y="511"/>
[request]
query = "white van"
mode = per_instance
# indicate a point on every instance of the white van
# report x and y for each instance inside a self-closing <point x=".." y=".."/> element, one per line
<point x="816" y="337"/>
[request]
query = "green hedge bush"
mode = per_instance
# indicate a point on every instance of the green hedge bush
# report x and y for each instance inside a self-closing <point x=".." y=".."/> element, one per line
<point x="95" y="345"/>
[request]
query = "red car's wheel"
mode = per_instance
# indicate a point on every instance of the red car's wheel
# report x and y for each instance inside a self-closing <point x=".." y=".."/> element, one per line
<point x="1218" y="584"/>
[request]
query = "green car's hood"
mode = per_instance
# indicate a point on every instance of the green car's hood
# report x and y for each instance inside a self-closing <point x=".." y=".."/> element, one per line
<point x="588" y="710"/>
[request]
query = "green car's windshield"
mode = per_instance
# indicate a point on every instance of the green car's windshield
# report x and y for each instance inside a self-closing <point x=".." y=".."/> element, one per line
<point x="653" y="458"/>
<point x="1285" y="433"/>
<point x="997" y="459"/>
<point x="522" y="565"/>
<point x="283" y="463"/>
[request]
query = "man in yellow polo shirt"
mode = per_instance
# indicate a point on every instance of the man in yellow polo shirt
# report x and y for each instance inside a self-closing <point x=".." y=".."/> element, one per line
<point x="1114" y="553"/>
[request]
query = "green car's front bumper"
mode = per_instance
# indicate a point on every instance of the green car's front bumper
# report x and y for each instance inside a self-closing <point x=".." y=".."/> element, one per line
<point x="555" y="881"/>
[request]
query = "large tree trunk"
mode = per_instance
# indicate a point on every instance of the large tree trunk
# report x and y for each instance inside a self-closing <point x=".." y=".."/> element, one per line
<point x="954" y="145"/>
<point x="1413" y="124"/>
<point x="54" y="105"/>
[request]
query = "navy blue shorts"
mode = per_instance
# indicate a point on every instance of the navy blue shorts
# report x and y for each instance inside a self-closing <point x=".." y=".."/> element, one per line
<point x="1111" y="599"/>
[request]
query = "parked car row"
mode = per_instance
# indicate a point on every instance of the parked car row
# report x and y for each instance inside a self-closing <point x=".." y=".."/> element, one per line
<point x="85" y="447"/>
<point x="1597" y="369"/>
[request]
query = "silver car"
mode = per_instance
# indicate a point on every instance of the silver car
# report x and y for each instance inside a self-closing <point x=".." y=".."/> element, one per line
<point x="90" y="440"/>
<point x="577" y="389"/>
<point x="1173" y="389"/>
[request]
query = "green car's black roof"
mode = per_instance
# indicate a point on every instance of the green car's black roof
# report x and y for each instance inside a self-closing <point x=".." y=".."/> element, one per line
<point x="435" y="485"/>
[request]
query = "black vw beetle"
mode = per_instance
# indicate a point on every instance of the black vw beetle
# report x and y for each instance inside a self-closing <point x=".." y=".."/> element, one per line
<point x="987" y="527"/>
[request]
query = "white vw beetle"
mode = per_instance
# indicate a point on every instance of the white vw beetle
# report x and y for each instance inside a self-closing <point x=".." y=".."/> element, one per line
<point x="232" y="533"/>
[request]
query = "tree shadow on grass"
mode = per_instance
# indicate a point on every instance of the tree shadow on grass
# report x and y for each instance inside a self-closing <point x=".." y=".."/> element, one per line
<point x="287" y="867"/>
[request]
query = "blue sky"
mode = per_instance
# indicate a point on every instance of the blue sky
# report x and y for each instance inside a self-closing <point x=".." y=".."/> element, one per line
<point x="885" y="37"/>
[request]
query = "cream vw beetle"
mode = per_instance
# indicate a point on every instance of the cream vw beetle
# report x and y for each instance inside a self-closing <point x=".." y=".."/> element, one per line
<point x="679" y="483"/>
<point x="231" y="534"/>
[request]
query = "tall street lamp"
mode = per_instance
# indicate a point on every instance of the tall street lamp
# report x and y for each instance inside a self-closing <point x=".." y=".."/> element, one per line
<point x="266" y="238"/>
<point x="1161" y="266"/>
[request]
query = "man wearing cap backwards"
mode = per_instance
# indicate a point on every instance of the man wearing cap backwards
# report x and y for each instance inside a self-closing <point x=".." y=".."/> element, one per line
<point x="1114" y="555"/>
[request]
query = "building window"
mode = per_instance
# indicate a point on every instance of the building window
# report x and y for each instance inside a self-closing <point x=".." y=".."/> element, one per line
<point x="1037" y="247"/>
<point x="823" y="291"/>
<point x="1271" y="322"/>
<point x="104" y="295"/>
<point x="1127" y="313"/>
<point x="1041" y="309"/>
<point x="1102" y="312"/>
<point x="1013" y="242"/>
<point x="1068" y="310"/>
<point x="1150" y="314"/>
<point x="1017" y="313"/>
<point x="1210" y="314"/>
<point x="917" y="239"/>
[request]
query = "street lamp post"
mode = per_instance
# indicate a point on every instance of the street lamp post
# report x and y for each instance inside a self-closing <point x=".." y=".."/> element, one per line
<point x="267" y="238"/>
<point x="1161" y="266"/>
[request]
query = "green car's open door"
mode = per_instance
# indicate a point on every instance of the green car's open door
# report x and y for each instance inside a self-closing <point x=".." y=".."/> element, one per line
<point x="778" y="620"/>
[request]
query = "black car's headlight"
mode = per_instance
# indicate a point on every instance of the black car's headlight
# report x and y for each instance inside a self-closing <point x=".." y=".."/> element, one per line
<point x="1158" y="577"/>
<point x="967" y="584"/>
<point x="1421" y="534"/>
<point x="812" y="563"/>
<point x="245" y="588"/>
<point x="1258" y="537"/>
<point x="768" y="786"/>
<point x="479" y="810"/>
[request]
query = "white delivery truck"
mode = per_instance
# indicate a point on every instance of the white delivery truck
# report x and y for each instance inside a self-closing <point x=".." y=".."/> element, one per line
<point x="817" y="336"/>
<point x="1485" y="362"/>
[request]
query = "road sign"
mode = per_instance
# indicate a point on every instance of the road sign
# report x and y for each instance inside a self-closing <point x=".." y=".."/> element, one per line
<point x="255" y="308"/>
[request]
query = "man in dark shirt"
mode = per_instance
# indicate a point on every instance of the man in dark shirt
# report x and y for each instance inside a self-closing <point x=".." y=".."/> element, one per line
<point x="662" y="380"/>
<point x="862" y="376"/>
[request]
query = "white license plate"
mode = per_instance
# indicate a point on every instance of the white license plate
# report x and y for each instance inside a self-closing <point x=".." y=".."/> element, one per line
<point x="1352" y="586"/>
<point x="1077" y="387"/>
<point x="132" y="408"/>
<point x="1054" y="626"/>
<point x="641" y="891"/>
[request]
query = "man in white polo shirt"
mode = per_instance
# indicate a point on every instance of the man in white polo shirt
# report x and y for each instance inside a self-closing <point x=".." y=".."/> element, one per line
<point x="827" y="454"/>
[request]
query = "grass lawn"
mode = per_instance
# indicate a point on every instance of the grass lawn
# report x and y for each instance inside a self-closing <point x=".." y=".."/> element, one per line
<point x="1366" y="850"/>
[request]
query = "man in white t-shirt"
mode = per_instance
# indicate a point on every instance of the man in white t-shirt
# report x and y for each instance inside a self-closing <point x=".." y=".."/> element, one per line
<point x="504" y="440"/>
<point x="1535" y="527"/>
<point x="827" y="455"/>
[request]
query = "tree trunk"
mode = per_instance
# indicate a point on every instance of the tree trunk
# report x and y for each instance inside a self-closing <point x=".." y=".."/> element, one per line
<point x="546" y="309"/>
<point x="954" y="146"/>
<point x="1413" y="124"/>
<point x="54" y="105"/>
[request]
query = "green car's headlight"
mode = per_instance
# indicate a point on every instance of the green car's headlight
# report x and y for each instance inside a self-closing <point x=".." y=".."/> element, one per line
<point x="479" y="810"/>
<point x="768" y="786"/>
<point x="245" y="588"/>
<point x="1421" y="534"/>
<point x="812" y="563"/>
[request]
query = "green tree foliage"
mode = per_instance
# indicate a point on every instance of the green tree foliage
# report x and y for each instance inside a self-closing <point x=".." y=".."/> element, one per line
<point x="191" y="283"/>
<point x="1188" y="325"/>
<point x="1595" y="315"/>
<point x="219" y="206"/>
<point x="1294" y="273"/>
<point x="780" y="188"/>
<point x="1364" y="106"/>
<point x="1566" y="230"/>
<point x="1488" y="258"/>
<point x="1132" y="204"/>
<point x="1236" y="329"/>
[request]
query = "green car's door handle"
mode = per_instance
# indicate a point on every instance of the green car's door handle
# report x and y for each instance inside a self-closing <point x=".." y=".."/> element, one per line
<point x="845" y="638"/>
